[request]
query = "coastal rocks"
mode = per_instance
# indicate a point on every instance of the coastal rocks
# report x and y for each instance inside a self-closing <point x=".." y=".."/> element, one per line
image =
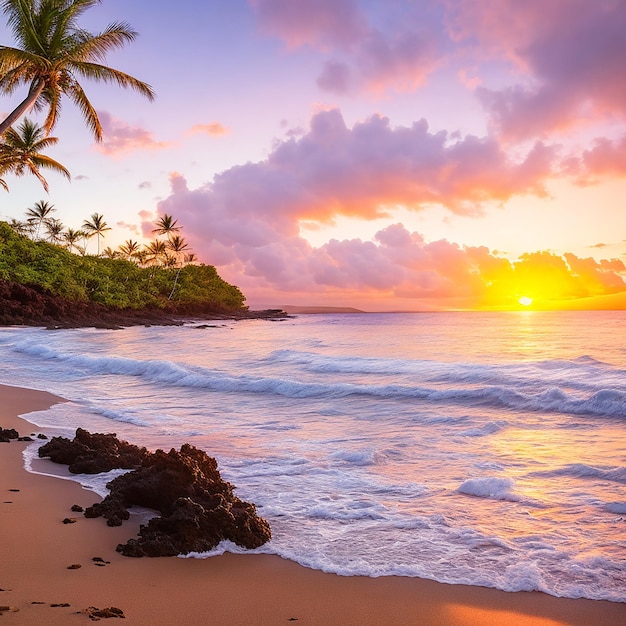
<point x="198" y="508"/>
<point x="34" y="305"/>
<point x="94" y="453"/>
<point x="6" y="434"/>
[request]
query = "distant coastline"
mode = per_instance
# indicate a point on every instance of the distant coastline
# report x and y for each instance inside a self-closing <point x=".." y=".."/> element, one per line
<point x="318" y="310"/>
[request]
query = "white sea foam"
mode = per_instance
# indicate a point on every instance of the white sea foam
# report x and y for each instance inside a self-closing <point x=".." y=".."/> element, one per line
<point x="490" y="487"/>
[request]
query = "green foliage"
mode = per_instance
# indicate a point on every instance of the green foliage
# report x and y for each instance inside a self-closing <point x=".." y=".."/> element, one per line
<point x="113" y="282"/>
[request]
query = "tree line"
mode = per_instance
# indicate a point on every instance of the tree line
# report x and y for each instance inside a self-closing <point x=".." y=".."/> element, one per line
<point x="169" y="252"/>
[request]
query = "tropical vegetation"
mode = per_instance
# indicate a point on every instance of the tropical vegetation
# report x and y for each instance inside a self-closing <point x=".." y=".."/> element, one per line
<point x="114" y="282"/>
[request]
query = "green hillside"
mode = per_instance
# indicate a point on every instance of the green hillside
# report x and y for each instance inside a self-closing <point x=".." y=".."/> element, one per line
<point x="115" y="283"/>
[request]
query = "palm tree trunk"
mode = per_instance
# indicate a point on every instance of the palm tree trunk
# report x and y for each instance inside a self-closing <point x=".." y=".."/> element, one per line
<point x="36" y="87"/>
<point x="175" y="283"/>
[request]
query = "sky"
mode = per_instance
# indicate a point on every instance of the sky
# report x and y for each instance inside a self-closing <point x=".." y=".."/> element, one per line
<point x="388" y="155"/>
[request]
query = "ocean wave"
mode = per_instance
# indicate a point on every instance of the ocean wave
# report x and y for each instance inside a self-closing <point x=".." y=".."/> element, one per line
<point x="603" y="402"/>
<point x="489" y="428"/>
<point x="580" y="470"/>
<point x="574" y="372"/>
<point x="616" y="507"/>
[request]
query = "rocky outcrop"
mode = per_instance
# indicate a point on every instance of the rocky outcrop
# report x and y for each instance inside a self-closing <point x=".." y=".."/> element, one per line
<point x="94" y="453"/>
<point x="6" y="434"/>
<point x="33" y="305"/>
<point x="198" y="508"/>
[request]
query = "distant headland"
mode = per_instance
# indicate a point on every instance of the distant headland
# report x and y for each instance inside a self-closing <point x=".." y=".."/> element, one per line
<point x="318" y="310"/>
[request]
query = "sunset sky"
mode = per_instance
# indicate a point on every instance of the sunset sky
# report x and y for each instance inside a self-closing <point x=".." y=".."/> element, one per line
<point x="386" y="155"/>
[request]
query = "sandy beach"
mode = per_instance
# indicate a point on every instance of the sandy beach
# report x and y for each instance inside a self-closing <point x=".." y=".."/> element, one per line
<point x="37" y="549"/>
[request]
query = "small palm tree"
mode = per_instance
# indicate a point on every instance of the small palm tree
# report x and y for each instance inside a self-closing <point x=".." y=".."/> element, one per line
<point x="21" y="152"/>
<point x="54" y="229"/>
<point x="155" y="252"/>
<point x="96" y="227"/>
<point x="142" y="257"/>
<point x="166" y="225"/>
<point x="109" y="253"/>
<point x="129" y="249"/>
<point x="39" y="213"/>
<point x="71" y="237"/>
<point x="52" y="52"/>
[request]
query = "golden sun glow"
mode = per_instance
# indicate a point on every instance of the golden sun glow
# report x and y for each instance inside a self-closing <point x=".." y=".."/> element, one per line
<point x="525" y="301"/>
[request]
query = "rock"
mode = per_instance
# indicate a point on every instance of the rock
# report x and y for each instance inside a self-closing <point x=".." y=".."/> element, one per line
<point x="69" y="520"/>
<point x="74" y="566"/>
<point x="93" y="453"/>
<point x="41" y="436"/>
<point x="77" y="508"/>
<point x="26" y="438"/>
<point x="6" y="434"/>
<point x="198" y="509"/>
<point x="96" y="614"/>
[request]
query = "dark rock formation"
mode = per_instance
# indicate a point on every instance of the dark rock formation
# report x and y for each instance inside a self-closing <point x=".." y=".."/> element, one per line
<point x="6" y="434"/>
<point x="33" y="305"/>
<point x="198" y="509"/>
<point x="93" y="453"/>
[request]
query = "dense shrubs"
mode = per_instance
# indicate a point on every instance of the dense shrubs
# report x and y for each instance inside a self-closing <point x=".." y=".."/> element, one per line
<point x="113" y="282"/>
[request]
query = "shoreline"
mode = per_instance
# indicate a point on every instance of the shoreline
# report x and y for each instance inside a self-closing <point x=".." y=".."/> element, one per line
<point x="37" y="549"/>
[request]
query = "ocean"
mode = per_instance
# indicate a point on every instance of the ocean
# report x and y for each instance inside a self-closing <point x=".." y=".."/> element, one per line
<point x="478" y="448"/>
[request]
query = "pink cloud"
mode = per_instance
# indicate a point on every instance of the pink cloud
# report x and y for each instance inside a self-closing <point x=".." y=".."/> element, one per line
<point x="120" y="138"/>
<point x="248" y="220"/>
<point x="400" y="56"/>
<point x="133" y="228"/>
<point x="606" y="158"/>
<point x="213" y="129"/>
<point x="319" y="23"/>
<point x="572" y="52"/>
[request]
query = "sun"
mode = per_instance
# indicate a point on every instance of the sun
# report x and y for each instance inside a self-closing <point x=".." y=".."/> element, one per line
<point x="525" y="301"/>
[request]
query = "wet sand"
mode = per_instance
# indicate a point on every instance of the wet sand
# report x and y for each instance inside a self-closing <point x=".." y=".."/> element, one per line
<point x="36" y="549"/>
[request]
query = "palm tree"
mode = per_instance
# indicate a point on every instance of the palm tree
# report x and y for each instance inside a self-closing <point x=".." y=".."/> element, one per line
<point x="97" y="226"/>
<point x="129" y="249"/>
<point x="39" y="213"/>
<point x="156" y="251"/>
<point x="109" y="253"/>
<point x="177" y="245"/>
<point x="21" y="152"/>
<point x="53" y="52"/>
<point x="71" y="236"/>
<point x="142" y="257"/>
<point x="54" y="228"/>
<point x="21" y="228"/>
<point x="166" y="225"/>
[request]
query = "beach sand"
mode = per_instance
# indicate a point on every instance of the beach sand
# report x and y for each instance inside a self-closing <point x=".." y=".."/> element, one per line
<point x="36" y="548"/>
